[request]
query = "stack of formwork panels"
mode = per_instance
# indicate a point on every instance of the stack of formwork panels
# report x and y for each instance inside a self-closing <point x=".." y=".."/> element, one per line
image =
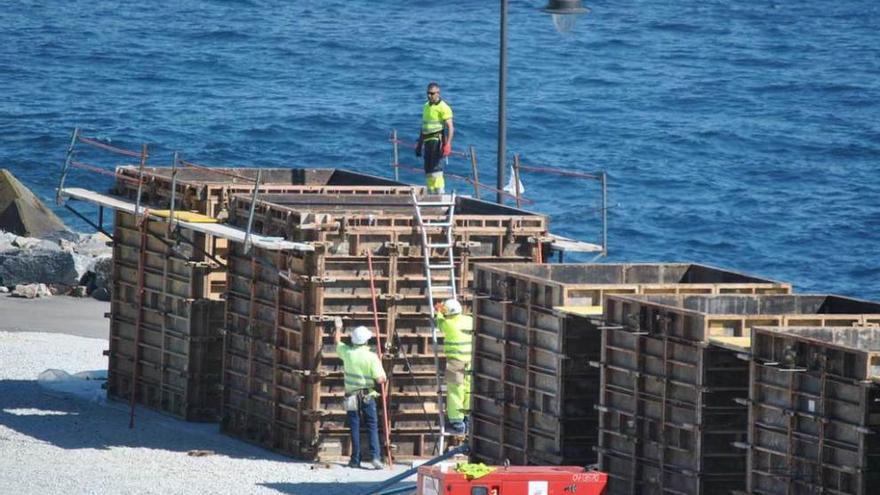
<point x="209" y="191"/>
<point x="536" y="333"/>
<point x="182" y="309"/>
<point x="674" y="384"/>
<point x="283" y="383"/>
<point x="814" y="412"/>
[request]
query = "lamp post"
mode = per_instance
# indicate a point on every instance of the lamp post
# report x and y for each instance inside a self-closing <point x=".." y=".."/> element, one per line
<point x="564" y="14"/>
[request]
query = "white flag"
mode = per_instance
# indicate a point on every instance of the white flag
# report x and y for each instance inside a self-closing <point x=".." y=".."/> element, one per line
<point x="510" y="187"/>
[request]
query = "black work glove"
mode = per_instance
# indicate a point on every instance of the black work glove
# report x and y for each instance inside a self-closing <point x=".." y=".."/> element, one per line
<point x="419" y="150"/>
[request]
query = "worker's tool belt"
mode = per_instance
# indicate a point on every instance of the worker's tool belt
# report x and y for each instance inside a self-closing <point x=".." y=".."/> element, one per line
<point x="354" y="401"/>
<point x="432" y="136"/>
<point x="456" y="371"/>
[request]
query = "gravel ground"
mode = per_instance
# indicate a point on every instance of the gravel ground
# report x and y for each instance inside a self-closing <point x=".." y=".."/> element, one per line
<point x="53" y="442"/>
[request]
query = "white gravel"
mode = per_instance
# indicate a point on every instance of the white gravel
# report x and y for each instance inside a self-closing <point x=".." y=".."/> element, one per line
<point x="57" y="443"/>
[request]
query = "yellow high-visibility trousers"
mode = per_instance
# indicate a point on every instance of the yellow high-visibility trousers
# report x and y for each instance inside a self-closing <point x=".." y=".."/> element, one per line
<point x="436" y="183"/>
<point x="458" y="389"/>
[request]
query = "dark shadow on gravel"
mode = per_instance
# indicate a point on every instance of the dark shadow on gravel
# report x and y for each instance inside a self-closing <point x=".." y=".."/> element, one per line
<point x="351" y="488"/>
<point x="71" y="422"/>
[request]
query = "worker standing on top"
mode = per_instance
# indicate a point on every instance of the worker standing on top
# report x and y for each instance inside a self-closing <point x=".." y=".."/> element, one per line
<point x="363" y="370"/>
<point x="435" y="138"/>
<point x="458" y="332"/>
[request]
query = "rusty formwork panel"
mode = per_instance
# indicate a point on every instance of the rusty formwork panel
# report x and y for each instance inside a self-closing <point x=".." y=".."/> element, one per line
<point x="673" y="414"/>
<point x="283" y="383"/>
<point x="181" y="333"/>
<point x="209" y="191"/>
<point x="534" y="391"/>
<point x="814" y="411"/>
<point x="180" y="349"/>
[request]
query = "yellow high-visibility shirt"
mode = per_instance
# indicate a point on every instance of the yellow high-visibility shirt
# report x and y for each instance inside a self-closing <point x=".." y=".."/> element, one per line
<point x="434" y="118"/>
<point x="361" y="365"/>
<point x="458" y="333"/>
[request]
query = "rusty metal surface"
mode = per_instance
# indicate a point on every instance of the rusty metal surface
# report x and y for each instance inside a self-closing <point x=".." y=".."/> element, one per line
<point x="283" y="387"/>
<point x="535" y="391"/>
<point x="673" y="409"/>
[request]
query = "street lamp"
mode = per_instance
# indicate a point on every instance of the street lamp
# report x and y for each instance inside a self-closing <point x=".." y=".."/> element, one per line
<point x="564" y="14"/>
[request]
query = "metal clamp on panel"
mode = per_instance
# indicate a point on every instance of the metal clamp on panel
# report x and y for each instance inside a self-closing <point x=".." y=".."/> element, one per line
<point x="594" y="364"/>
<point x="392" y="297"/>
<point x="315" y="414"/>
<point x="320" y="245"/>
<point x="314" y="279"/>
<point x="313" y="318"/>
<point x="741" y="445"/>
<point x="742" y="401"/>
<point x="540" y="239"/>
<point x="467" y="244"/>
<point x="310" y="374"/>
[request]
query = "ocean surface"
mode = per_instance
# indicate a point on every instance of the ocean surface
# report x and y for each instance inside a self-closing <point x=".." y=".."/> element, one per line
<point x="740" y="134"/>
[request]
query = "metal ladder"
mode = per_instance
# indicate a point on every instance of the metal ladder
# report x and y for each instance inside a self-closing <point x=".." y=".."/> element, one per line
<point x="433" y="290"/>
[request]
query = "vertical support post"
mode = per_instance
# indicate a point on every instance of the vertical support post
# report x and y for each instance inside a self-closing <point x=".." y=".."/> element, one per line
<point x="137" y="204"/>
<point x="66" y="167"/>
<point x="502" y="97"/>
<point x="516" y="190"/>
<point x="473" y="154"/>
<point x="247" y="235"/>
<point x="604" y="213"/>
<point x="136" y="362"/>
<point x="100" y="217"/>
<point x="174" y="161"/>
<point x="396" y="163"/>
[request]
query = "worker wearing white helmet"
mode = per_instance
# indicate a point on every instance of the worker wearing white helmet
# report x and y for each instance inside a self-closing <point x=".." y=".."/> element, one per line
<point x="458" y="332"/>
<point x="363" y="370"/>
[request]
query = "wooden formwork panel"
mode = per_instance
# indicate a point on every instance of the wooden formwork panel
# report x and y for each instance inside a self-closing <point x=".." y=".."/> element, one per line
<point x="179" y="349"/>
<point x="533" y="388"/>
<point x="297" y="296"/>
<point x="535" y="393"/>
<point x="179" y="359"/>
<point x="814" y="410"/>
<point x="669" y="407"/>
<point x="209" y="192"/>
<point x="672" y="399"/>
<point x="551" y="285"/>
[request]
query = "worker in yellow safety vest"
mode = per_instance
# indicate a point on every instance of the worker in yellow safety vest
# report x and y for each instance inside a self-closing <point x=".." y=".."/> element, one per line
<point x="363" y="370"/>
<point x="435" y="138"/>
<point x="458" y="332"/>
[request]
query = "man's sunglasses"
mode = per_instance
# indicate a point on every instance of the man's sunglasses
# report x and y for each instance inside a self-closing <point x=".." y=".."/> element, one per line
<point x="433" y="92"/>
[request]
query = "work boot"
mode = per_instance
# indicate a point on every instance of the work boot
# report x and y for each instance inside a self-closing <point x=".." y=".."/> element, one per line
<point x="377" y="465"/>
<point x="353" y="464"/>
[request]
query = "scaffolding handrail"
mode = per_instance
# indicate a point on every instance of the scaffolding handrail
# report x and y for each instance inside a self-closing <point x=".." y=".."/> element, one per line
<point x="103" y="171"/>
<point x="108" y="147"/>
<point x="410" y="144"/>
<point x="564" y="173"/>
<point x="466" y="179"/>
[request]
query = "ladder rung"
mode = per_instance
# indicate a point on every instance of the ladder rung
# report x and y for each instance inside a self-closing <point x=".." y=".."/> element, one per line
<point x="441" y="267"/>
<point x="436" y="224"/>
<point x="442" y="288"/>
<point x="440" y="245"/>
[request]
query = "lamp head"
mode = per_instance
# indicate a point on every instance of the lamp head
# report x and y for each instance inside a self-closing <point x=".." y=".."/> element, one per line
<point x="565" y="13"/>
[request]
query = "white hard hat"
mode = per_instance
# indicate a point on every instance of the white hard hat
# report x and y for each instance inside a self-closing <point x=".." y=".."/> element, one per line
<point x="361" y="335"/>
<point x="452" y="307"/>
